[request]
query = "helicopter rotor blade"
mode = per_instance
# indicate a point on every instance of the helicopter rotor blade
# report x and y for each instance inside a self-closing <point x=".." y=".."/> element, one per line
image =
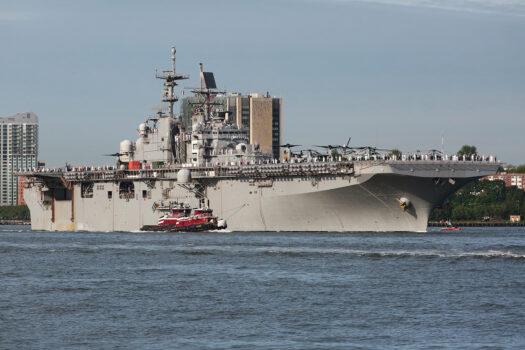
<point x="113" y="155"/>
<point x="348" y="142"/>
<point x="287" y="145"/>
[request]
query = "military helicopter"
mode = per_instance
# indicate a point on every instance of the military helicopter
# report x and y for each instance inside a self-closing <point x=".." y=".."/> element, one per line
<point x="311" y="152"/>
<point x="369" y="150"/>
<point x="287" y="152"/>
<point x="434" y="154"/>
<point x="336" y="150"/>
<point x="336" y="147"/>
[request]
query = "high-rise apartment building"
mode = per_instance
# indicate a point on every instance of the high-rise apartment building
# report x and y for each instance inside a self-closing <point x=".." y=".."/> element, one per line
<point x="18" y="151"/>
<point x="260" y="114"/>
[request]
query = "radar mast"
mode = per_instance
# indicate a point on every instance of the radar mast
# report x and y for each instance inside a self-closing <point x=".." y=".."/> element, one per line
<point x="176" y="128"/>
<point x="206" y="93"/>
<point x="170" y="78"/>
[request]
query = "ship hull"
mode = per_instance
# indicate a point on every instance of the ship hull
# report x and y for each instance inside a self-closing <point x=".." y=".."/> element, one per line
<point x="368" y="200"/>
<point x="372" y="205"/>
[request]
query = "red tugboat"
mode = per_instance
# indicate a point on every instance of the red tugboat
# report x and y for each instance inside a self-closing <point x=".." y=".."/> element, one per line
<point x="187" y="220"/>
<point x="450" y="227"/>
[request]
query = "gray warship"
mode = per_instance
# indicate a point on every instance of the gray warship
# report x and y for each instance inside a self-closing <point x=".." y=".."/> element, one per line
<point x="211" y="164"/>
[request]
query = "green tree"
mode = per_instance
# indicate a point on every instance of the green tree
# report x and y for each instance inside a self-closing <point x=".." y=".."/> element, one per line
<point x="516" y="169"/>
<point x="14" y="212"/>
<point x="480" y="199"/>
<point x="467" y="150"/>
<point x="396" y="152"/>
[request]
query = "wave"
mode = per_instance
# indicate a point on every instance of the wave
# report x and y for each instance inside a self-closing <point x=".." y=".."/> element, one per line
<point x="488" y="254"/>
<point x="454" y="254"/>
<point x="297" y="251"/>
<point x="491" y="254"/>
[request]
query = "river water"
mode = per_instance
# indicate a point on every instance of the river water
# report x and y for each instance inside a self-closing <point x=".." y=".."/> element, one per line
<point x="262" y="290"/>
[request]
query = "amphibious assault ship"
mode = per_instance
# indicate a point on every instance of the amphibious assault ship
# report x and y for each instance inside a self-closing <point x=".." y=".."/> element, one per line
<point x="212" y="164"/>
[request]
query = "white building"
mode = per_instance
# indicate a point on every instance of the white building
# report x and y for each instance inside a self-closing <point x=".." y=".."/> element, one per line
<point x="18" y="151"/>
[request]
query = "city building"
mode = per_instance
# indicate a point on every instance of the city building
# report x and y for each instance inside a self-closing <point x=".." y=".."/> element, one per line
<point x="510" y="179"/>
<point x="18" y="151"/>
<point x="260" y="114"/>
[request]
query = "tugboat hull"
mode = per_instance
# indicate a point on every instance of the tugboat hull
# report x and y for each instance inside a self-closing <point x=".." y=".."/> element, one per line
<point x="175" y="228"/>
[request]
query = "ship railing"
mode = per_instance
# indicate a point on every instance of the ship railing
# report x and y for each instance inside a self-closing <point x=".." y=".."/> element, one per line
<point x="263" y="170"/>
<point x="284" y="169"/>
<point x="410" y="157"/>
<point x="269" y="169"/>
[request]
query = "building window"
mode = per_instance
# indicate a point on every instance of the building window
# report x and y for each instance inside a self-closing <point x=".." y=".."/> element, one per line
<point x="110" y="194"/>
<point x="276" y="127"/>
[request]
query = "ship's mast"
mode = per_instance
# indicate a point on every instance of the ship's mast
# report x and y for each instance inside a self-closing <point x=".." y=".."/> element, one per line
<point x="170" y="78"/>
<point x="208" y="91"/>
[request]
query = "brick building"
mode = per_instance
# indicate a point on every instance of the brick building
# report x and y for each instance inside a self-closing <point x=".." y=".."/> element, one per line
<point x="260" y="114"/>
<point x="510" y="179"/>
<point x="20" y="199"/>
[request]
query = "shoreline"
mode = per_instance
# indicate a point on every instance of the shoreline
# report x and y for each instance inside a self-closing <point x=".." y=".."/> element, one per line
<point x="15" y="222"/>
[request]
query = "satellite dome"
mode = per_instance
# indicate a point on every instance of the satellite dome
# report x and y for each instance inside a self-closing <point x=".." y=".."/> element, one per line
<point x="126" y="146"/>
<point x="184" y="176"/>
<point x="143" y="129"/>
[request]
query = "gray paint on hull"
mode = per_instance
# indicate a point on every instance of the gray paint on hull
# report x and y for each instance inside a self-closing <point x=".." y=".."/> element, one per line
<point x="366" y="202"/>
<point x="371" y="206"/>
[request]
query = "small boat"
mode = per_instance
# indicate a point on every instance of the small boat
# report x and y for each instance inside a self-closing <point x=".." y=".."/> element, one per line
<point x="451" y="228"/>
<point x="187" y="220"/>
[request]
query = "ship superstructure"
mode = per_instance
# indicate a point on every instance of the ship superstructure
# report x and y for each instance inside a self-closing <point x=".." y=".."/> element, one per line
<point x="213" y="165"/>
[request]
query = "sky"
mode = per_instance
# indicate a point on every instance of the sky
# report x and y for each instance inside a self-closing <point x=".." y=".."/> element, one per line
<point x="388" y="73"/>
